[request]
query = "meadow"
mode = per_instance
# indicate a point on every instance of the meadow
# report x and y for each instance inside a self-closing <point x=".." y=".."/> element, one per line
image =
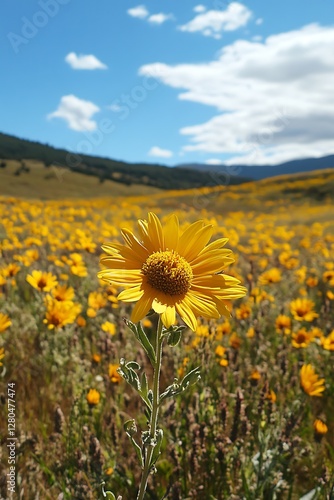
<point x="258" y="425"/>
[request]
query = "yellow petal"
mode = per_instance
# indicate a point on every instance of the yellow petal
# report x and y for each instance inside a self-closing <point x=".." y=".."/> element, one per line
<point x="131" y="294"/>
<point x="168" y="317"/>
<point x="201" y="238"/>
<point x="141" y="308"/>
<point x="187" y="239"/>
<point x="187" y="315"/>
<point x="215" y="245"/>
<point x="171" y="232"/>
<point x="155" y="231"/>
<point x="158" y="306"/>
<point x="121" y="276"/>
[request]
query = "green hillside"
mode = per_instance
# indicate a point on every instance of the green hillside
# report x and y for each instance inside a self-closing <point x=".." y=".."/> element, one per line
<point x="157" y="176"/>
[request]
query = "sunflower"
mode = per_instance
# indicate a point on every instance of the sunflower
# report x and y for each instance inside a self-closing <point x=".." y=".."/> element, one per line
<point x="42" y="281"/>
<point x="273" y="275"/>
<point x="302" y="310"/>
<point x="5" y="322"/>
<point x="320" y="428"/>
<point x="63" y="293"/>
<point x="60" y="313"/>
<point x="172" y="272"/>
<point x="310" y="382"/>
<point x="302" y="338"/>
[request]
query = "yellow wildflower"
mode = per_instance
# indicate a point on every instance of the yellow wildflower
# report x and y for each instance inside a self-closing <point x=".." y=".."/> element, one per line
<point x="5" y="322"/>
<point x="93" y="397"/>
<point x="42" y="281"/>
<point x="59" y="314"/>
<point x="283" y="324"/>
<point x="273" y="275"/>
<point x="109" y="327"/>
<point x="310" y="382"/>
<point x="113" y="374"/>
<point x="328" y="342"/>
<point x="302" y="338"/>
<point x="172" y="272"/>
<point x="320" y="428"/>
<point x="302" y="310"/>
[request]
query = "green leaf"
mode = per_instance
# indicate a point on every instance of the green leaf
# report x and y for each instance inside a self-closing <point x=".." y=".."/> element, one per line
<point x="177" y="388"/>
<point x="130" y="427"/>
<point x="148" y="347"/>
<point x="173" y="328"/>
<point x="156" y="451"/>
<point x="133" y="365"/>
<point x="170" y="391"/>
<point x="129" y="375"/>
<point x="174" y="338"/>
<point x="144" y="385"/>
<point x="142" y="339"/>
<point x="191" y="378"/>
<point x="107" y="494"/>
<point x="138" y="452"/>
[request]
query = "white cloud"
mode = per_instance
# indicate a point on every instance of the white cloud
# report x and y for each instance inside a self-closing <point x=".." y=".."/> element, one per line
<point x="214" y="22"/>
<point x="273" y="100"/>
<point x="199" y="8"/>
<point x="162" y="153"/>
<point x="213" y="161"/>
<point x="84" y="62"/>
<point x="76" y="112"/>
<point x="140" y="11"/>
<point x="159" y="18"/>
<point x="259" y="21"/>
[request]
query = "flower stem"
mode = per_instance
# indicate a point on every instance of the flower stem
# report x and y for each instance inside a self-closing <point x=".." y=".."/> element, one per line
<point x="154" y="414"/>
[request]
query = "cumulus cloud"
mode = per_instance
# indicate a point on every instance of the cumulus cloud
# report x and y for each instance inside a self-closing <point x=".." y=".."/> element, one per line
<point x="159" y="152"/>
<point x="140" y="11"/>
<point x="273" y="100"/>
<point x="199" y="8"/>
<point x="159" y="18"/>
<point x="81" y="61"/>
<point x="76" y="112"/>
<point x="214" y="22"/>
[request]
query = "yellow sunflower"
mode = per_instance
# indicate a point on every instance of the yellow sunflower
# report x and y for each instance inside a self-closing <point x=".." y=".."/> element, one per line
<point x="172" y="272"/>
<point x="42" y="281"/>
<point x="310" y="381"/>
<point x="5" y="322"/>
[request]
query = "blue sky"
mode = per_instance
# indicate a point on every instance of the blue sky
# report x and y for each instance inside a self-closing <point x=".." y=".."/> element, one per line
<point x="171" y="82"/>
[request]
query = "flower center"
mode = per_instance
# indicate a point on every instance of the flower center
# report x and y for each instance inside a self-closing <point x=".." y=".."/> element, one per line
<point x="168" y="272"/>
<point x="41" y="283"/>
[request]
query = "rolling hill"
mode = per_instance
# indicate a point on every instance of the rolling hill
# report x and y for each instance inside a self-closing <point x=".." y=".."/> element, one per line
<point x="258" y="172"/>
<point x="157" y="176"/>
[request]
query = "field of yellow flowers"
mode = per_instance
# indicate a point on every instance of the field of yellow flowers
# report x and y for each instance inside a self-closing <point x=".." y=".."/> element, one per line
<point x="258" y="425"/>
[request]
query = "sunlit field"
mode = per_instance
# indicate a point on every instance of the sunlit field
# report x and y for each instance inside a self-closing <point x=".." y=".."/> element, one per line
<point x="258" y="425"/>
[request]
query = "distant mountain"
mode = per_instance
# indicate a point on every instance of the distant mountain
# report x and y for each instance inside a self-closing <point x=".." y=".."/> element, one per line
<point x="258" y="172"/>
<point x="159" y="176"/>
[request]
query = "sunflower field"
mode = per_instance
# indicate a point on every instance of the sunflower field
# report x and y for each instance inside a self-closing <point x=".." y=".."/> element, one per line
<point x="258" y="424"/>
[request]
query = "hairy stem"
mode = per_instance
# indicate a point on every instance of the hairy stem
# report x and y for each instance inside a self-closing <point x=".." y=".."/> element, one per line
<point x="154" y="415"/>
